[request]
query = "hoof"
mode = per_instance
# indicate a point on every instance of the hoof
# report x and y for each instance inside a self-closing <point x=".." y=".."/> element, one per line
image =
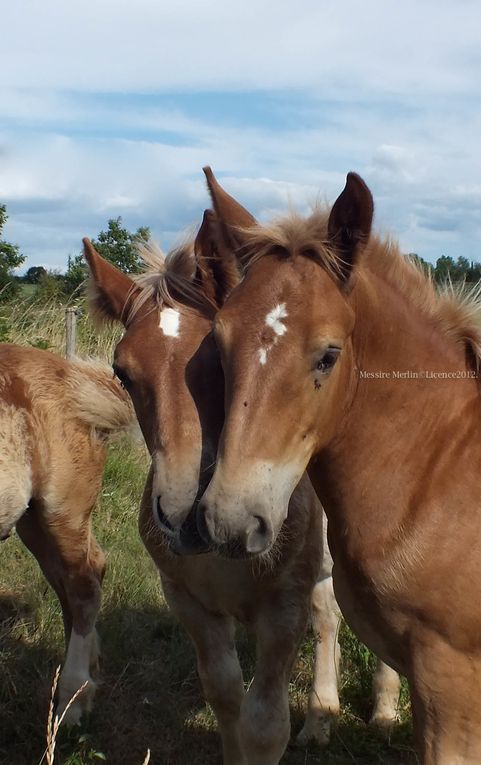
<point x="72" y="712"/>
<point x="316" y="731"/>
<point x="382" y="724"/>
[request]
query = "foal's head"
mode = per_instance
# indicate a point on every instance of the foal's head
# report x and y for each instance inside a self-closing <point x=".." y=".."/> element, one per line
<point x="284" y="337"/>
<point x="168" y="362"/>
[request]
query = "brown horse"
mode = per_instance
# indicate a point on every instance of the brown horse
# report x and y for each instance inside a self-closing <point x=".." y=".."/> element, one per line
<point x="55" y="419"/>
<point x="340" y="356"/>
<point x="168" y="362"/>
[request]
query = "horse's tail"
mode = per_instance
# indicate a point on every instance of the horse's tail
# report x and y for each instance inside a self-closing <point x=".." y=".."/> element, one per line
<point x="97" y="398"/>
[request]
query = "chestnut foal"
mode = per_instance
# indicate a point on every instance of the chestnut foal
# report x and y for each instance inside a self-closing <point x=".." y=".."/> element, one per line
<point x="55" y="420"/>
<point x="168" y="362"/>
<point x="341" y="357"/>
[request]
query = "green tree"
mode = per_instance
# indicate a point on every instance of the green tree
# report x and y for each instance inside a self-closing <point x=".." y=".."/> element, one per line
<point x="116" y="245"/>
<point x="444" y="269"/>
<point x="76" y="273"/>
<point x="460" y="270"/>
<point x="50" y="287"/>
<point x="474" y="272"/>
<point x="34" y="274"/>
<point x="427" y="267"/>
<point x="10" y="258"/>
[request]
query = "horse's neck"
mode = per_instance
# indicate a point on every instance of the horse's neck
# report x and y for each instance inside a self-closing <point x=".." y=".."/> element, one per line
<point x="395" y="435"/>
<point x="394" y="334"/>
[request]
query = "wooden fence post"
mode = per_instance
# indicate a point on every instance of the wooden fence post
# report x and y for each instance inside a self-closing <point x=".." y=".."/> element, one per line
<point x="70" y="332"/>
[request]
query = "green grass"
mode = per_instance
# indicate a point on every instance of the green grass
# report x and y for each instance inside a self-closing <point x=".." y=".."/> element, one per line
<point x="149" y="695"/>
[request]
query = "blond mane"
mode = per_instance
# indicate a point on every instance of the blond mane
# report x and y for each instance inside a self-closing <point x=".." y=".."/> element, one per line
<point x="169" y="279"/>
<point x="456" y="309"/>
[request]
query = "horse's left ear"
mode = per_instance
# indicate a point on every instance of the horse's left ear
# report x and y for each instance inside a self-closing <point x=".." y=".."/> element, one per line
<point x="216" y="264"/>
<point x="111" y="292"/>
<point x="350" y="222"/>
<point x="232" y="217"/>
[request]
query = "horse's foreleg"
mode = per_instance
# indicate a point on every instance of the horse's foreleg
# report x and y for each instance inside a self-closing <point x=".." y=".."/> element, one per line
<point x="265" y="719"/>
<point x="217" y="664"/>
<point x="323" y="701"/>
<point x="445" y="686"/>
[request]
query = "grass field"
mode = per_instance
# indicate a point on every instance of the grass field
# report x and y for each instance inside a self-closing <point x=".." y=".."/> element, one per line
<point x="149" y="694"/>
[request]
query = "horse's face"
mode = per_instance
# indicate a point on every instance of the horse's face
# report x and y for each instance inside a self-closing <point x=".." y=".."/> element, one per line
<point x="284" y="337"/>
<point x="284" y="342"/>
<point x="168" y="362"/>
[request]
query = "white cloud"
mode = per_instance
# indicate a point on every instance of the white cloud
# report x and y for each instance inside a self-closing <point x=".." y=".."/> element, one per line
<point x="390" y="90"/>
<point x="107" y="45"/>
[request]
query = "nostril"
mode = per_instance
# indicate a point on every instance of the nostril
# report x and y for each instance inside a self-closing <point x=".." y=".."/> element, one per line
<point x="259" y="536"/>
<point x="262" y="530"/>
<point x="162" y="519"/>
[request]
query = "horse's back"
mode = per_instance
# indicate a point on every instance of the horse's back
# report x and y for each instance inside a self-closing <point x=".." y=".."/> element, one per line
<point x="54" y="416"/>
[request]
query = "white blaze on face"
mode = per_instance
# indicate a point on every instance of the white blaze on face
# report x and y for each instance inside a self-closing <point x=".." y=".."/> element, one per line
<point x="170" y="322"/>
<point x="274" y="321"/>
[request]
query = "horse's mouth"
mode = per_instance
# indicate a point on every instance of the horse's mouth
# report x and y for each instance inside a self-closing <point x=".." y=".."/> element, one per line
<point x="184" y="540"/>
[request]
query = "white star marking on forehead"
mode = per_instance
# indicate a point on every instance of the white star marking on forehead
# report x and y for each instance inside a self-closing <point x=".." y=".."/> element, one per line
<point x="273" y="320"/>
<point x="170" y="322"/>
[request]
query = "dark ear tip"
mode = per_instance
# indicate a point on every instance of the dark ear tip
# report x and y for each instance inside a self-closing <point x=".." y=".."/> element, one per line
<point x="354" y="179"/>
<point x="208" y="216"/>
<point x="207" y="170"/>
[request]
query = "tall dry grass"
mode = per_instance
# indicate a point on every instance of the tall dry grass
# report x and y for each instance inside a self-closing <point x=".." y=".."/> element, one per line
<point x="31" y="322"/>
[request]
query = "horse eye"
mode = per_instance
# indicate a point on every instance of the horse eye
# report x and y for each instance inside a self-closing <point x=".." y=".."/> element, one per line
<point x="326" y="363"/>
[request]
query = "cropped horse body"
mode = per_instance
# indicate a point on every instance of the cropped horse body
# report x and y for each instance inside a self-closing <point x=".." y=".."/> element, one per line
<point x="168" y="362"/>
<point x="55" y="417"/>
<point x="372" y="385"/>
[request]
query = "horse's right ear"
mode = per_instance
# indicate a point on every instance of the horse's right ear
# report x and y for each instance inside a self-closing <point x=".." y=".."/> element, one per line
<point x="110" y="291"/>
<point x="232" y="217"/>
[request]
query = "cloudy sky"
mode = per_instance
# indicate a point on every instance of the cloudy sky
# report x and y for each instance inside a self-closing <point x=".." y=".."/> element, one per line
<point x="112" y="108"/>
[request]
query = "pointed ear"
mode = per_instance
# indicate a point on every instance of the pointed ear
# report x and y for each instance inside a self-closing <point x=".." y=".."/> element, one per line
<point x="216" y="264"/>
<point x="232" y="217"/>
<point x="350" y="222"/>
<point x="111" y="292"/>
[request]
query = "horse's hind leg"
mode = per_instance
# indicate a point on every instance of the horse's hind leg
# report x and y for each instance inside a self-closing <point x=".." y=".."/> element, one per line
<point x="217" y="664"/>
<point x="323" y="701"/>
<point x="74" y="564"/>
<point x="386" y="686"/>
<point x="40" y="543"/>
